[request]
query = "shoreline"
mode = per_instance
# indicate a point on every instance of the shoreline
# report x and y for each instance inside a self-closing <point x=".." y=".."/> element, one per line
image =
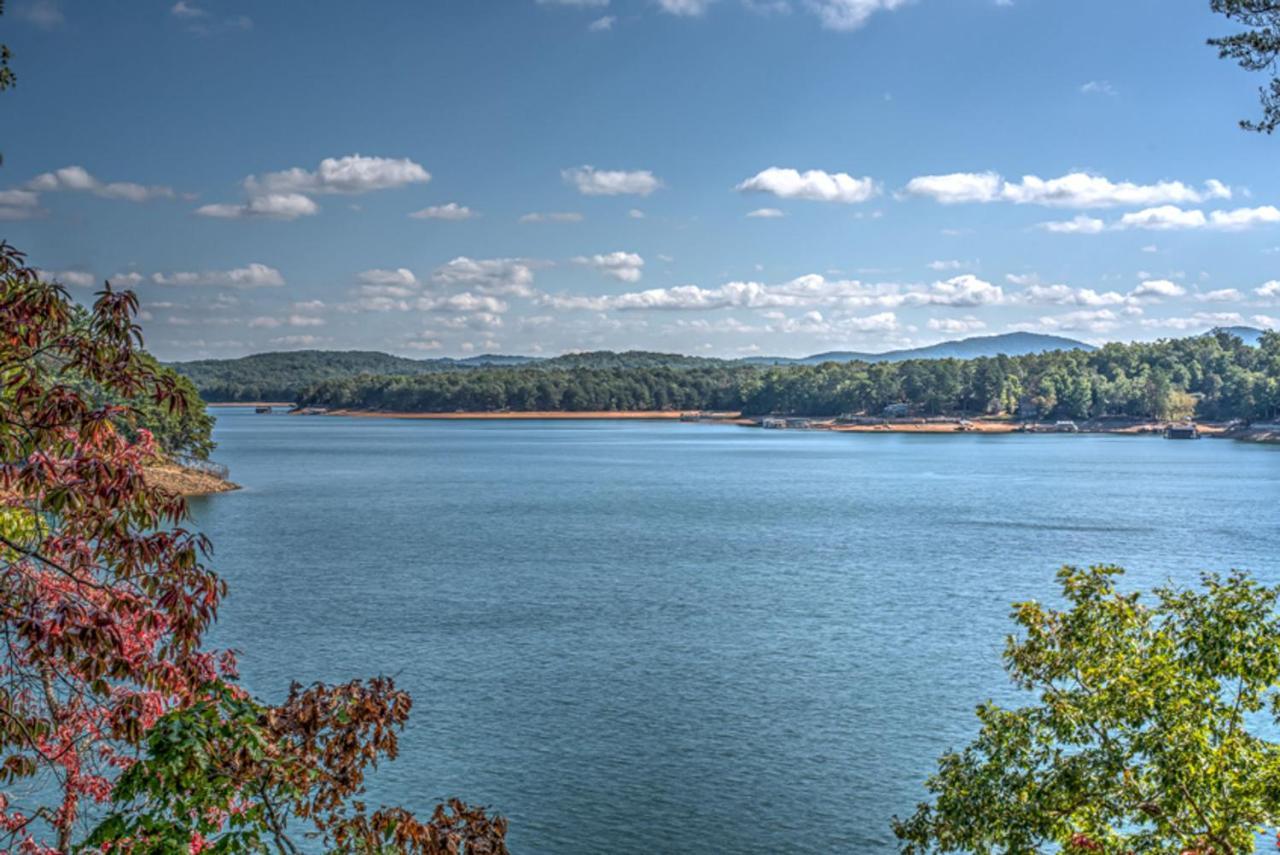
<point x="529" y="415"/>
<point x="185" y="481"/>
<point x="282" y="404"/>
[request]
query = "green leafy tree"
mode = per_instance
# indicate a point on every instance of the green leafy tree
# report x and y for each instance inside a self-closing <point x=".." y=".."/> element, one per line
<point x="1146" y="734"/>
<point x="1255" y="49"/>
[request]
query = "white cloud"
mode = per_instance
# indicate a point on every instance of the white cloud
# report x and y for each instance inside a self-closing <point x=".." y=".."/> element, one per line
<point x="464" y="302"/>
<point x="611" y="182"/>
<point x="946" y="264"/>
<point x="1065" y="295"/>
<point x="623" y="266"/>
<point x="305" y="321"/>
<point x="765" y="214"/>
<point x="1095" y="321"/>
<point x="1268" y="290"/>
<point x="813" y="184"/>
<point x="685" y="8"/>
<point x="1079" y="225"/>
<point x="287" y="195"/>
<point x="1074" y="190"/>
<point x="1098" y="87"/>
<point x="352" y="174"/>
<point x="451" y="211"/>
<point x="183" y="9"/>
<point x="19" y="205"/>
<point x="78" y="179"/>
<point x="1223" y="295"/>
<point x="846" y="15"/>
<point x="1158" y="288"/>
<point x="552" y="217"/>
<point x="298" y="340"/>
<point x="1266" y="321"/>
<point x="600" y="25"/>
<point x="75" y="278"/>
<point x="495" y="275"/>
<point x="250" y="276"/>
<point x="955" y="326"/>
<point x="378" y="283"/>
<point x="1197" y="321"/>
<point x="805" y="292"/>
<point x="966" y="290"/>
<point x="275" y="206"/>
<point x="1171" y="217"/>
<point x="264" y="322"/>
<point x="636" y="214"/>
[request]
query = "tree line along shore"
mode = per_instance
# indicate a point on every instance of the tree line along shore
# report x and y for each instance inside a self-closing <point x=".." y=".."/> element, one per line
<point x="1211" y="378"/>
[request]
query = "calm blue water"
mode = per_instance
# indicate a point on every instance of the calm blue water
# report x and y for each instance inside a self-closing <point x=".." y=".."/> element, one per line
<point x="638" y="637"/>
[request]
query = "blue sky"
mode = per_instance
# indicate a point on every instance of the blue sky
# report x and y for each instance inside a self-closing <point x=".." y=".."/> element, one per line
<point x="719" y="177"/>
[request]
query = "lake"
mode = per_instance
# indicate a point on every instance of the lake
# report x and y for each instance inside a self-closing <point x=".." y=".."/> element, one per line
<point x="637" y="637"/>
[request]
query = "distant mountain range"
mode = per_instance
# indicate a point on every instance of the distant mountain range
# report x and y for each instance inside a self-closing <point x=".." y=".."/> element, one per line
<point x="1009" y="344"/>
<point x="1249" y="335"/>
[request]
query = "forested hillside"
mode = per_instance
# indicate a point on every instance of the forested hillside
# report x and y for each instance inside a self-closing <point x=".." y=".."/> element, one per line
<point x="1213" y="377"/>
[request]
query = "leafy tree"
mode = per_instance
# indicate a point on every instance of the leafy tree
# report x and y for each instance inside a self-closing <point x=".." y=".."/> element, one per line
<point x="1255" y="49"/>
<point x="105" y="599"/>
<point x="232" y="773"/>
<point x="1146" y="734"/>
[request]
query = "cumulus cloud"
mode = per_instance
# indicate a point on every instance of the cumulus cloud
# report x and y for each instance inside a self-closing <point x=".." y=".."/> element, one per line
<point x="1080" y="225"/>
<point x="20" y="205"/>
<point x="1222" y="295"/>
<point x="552" y="217"/>
<point x="590" y="181"/>
<point x="353" y="174"/>
<point x="765" y="214"/>
<point x="1268" y="290"/>
<point x="814" y="185"/>
<point x="399" y="283"/>
<point x="956" y="326"/>
<point x="1098" y="87"/>
<point x="493" y="276"/>
<point x="965" y="290"/>
<point x="1065" y="295"/>
<point x="183" y="9"/>
<point x="75" y="278"/>
<point x="1196" y="321"/>
<point x="602" y="24"/>
<point x="1074" y="190"/>
<point x="847" y="15"/>
<point x="1158" y="288"/>
<point x="451" y="211"/>
<point x="79" y="179"/>
<point x="685" y="8"/>
<point x="623" y="266"/>
<point x="805" y="292"/>
<point x="274" y="206"/>
<point x="286" y="195"/>
<point x="250" y="276"/>
<point x="1171" y="218"/>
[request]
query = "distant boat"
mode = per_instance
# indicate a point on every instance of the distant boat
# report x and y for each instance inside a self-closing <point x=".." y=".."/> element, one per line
<point x="1188" y="431"/>
<point x="262" y="409"/>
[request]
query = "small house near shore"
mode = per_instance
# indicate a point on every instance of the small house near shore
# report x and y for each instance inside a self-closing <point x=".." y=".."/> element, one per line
<point x="1187" y="431"/>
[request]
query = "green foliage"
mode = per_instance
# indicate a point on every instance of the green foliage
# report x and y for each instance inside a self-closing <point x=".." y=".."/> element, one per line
<point x="228" y="774"/>
<point x="1255" y="49"/>
<point x="181" y="788"/>
<point x="1145" y="735"/>
<point x="1213" y="377"/>
<point x="185" y="430"/>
